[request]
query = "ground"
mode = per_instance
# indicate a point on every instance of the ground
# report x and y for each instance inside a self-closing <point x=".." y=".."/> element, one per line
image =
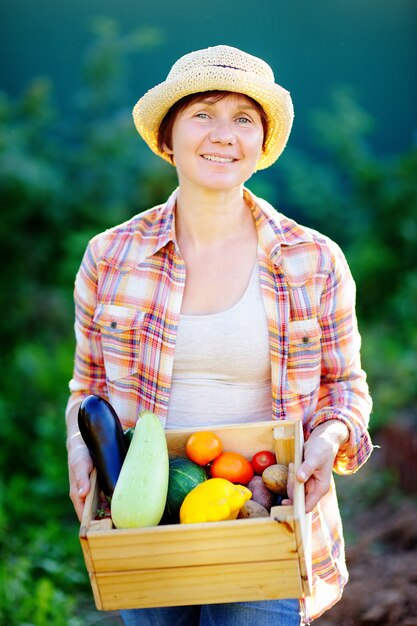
<point x="381" y="551"/>
<point x="383" y="571"/>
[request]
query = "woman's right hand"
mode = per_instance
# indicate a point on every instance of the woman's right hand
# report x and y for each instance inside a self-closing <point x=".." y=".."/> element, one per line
<point x="79" y="468"/>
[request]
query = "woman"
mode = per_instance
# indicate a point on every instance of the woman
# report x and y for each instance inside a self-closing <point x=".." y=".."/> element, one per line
<point x="214" y="308"/>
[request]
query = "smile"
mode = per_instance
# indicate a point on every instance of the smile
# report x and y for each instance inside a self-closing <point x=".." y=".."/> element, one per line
<point x="217" y="159"/>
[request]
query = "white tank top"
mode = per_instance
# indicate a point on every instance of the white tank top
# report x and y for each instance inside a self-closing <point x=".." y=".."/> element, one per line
<point x="222" y="367"/>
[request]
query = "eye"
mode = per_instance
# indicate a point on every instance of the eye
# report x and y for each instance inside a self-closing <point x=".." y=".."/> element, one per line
<point x="201" y="116"/>
<point x="243" y="119"/>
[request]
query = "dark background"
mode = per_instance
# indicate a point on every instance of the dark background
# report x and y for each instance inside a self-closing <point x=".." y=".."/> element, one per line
<point x="370" y="45"/>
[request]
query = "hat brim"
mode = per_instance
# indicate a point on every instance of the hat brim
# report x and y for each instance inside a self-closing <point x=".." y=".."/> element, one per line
<point x="151" y="109"/>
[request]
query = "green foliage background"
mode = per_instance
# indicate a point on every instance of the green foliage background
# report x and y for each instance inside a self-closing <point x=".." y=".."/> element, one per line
<point x="64" y="180"/>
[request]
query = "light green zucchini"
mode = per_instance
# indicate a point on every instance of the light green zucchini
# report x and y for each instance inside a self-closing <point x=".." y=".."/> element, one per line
<point x="141" y="490"/>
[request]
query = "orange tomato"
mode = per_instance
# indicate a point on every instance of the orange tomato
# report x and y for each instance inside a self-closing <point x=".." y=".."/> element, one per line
<point x="232" y="466"/>
<point x="203" y="446"/>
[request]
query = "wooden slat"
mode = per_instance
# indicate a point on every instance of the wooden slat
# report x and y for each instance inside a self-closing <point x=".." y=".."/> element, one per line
<point x="261" y="539"/>
<point x="244" y="438"/>
<point x="100" y="525"/>
<point x="302" y="522"/>
<point x="95" y="587"/>
<point x="200" y="585"/>
<point x="90" y="506"/>
<point x="284" y="444"/>
<point x="91" y="503"/>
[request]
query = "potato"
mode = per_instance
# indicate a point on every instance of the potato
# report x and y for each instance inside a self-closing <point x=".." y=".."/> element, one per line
<point x="260" y="492"/>
<point x="275" y="478"/>
<point x="252" y="509"/>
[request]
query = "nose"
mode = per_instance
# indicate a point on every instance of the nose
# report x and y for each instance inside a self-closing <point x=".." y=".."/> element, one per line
<point x="223" y="132"/>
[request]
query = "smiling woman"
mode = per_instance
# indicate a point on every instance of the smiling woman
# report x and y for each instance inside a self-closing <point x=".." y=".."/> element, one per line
<point x="237" y="314"/>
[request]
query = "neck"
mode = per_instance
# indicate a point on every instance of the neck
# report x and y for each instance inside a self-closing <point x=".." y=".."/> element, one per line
<point x="210" y="219"/>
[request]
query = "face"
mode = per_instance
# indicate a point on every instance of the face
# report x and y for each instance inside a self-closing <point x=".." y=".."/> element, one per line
<point x="216" y="144"/>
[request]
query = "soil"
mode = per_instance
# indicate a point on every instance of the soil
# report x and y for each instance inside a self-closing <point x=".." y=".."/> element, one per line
<point x="381" y="549"/>
<point x="382" y="564"/>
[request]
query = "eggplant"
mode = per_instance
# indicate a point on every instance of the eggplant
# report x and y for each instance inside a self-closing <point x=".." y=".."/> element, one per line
<point x="102" y="432"/>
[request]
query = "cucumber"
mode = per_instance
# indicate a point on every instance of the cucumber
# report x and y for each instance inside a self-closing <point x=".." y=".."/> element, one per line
<point x="141" y="489"/>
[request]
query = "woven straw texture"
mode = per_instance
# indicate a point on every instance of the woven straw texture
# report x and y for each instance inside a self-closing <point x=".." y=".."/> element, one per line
<point x="226" y="69"/>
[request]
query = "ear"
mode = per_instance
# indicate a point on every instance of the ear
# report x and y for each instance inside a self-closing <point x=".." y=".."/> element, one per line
<point x="168" y="150"/>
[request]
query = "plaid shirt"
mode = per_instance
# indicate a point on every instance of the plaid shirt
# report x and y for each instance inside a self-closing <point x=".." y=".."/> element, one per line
<point x="128" y="295"/>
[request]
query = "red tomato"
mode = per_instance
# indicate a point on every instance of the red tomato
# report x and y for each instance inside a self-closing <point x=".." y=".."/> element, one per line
<point x="233" y="467"/>
<point x="261" y="460"/>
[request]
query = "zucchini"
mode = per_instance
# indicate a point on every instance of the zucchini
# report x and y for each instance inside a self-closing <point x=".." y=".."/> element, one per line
<point x="102" y="432"/>
<point x="141" y="490"/>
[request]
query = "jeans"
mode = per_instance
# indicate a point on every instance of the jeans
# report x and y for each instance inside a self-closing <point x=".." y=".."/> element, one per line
<point x="265" y="613"/>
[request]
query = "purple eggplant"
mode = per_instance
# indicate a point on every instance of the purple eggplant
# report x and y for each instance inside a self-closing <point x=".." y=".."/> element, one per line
<point x="102" y="432"/>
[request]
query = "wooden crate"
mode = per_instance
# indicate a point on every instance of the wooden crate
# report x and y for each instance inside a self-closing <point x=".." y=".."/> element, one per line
<point x="183" y="564"/>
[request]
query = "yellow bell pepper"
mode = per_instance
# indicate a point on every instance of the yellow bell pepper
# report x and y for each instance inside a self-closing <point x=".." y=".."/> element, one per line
<point x="213" y="500"/>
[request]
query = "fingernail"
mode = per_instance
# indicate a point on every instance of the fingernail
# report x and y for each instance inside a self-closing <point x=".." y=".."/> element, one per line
<point x="81" y="491"/>
<point x="302" y="476"/>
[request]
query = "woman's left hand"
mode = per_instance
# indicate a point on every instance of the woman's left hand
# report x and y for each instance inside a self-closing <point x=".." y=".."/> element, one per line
<point x="319" y="454"/>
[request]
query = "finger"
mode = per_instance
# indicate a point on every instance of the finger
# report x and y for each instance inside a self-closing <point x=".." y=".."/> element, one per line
<point x="80" y="476"/>
<point x="78" y="492"/>
<point x="79" y="473"/>
<point x="305" y="471"/>
<point x="311" y="501"/>
<point x="78" y="504"/>
<point x="315" y="490"/>
<point x="79" y="509"/>
<point x="83" y="486"/>
<point x="290" y="482"/>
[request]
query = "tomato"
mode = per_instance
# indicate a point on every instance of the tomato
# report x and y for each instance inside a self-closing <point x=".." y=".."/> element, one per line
<point x="261" y="460"/>
<point x="233" y="467"/>
<point x="203" y="446"/>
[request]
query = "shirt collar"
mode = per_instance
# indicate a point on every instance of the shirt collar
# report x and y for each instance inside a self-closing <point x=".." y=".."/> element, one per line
<point x="274" y="229"/>
<point x="151" y="235"/>
<point x="167" y="230"/>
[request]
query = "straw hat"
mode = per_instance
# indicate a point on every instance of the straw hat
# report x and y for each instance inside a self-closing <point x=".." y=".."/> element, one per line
<point x="226" y="69"/>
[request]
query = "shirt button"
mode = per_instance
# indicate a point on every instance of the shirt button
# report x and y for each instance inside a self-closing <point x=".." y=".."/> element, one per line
<point x="305" y="339"/>
<point x="113" y="324"/>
